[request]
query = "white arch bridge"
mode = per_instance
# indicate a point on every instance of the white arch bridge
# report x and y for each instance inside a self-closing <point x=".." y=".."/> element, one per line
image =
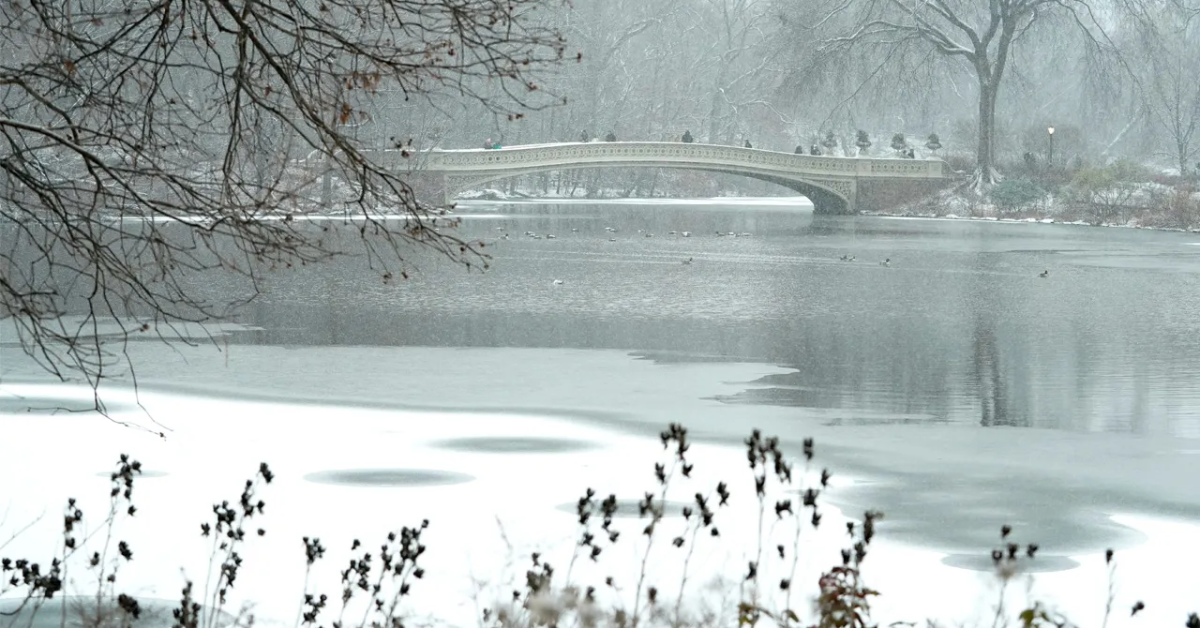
<point x="835" y="185"/>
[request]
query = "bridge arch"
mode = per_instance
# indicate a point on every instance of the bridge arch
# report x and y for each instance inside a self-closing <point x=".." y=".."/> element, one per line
<point x="825" y="198"/>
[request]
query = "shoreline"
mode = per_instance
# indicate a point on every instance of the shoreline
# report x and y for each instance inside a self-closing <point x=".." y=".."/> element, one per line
<point x="1026" y="220"/>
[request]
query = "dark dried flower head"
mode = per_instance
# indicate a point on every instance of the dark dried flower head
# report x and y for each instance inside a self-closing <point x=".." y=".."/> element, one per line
<point x="1005" y="530"/>
<point x="1137" y="608"/>
<point x="129" y="605"/>
<point x="723" y="492"/>
<point x="1108" y="556"/>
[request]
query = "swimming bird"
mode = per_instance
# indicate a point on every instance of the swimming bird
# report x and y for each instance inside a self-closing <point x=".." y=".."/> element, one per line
<point x="551" y="236"/>
<point x="686" y="234"/>
<point x="687" y="261"/>
<point x="1044" y="274"/>
<point x="612" y="239"/>
<point x="558" y="282"/>
<point x="886" y="262"/>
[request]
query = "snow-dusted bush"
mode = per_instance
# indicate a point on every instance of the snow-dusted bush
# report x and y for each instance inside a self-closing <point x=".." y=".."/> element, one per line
<point x="1016" y="194"/>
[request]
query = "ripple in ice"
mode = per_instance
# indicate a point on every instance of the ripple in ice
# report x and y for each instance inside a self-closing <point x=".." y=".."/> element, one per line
<point x="513" y="445"/>
<point x="1042" y="563"/>
<point x="388" y="477"/>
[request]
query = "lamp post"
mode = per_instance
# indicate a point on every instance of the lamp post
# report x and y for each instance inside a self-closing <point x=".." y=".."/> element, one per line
<point x="1050" y="159"/>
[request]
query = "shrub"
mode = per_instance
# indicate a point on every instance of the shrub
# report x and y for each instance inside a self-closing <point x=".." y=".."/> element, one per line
<point x="1108" y="192"/>
<point x="1015" y="194"/>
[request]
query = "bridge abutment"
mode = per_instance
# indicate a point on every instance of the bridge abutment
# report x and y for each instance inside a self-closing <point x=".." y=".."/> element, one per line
<point x="883" y="195"/>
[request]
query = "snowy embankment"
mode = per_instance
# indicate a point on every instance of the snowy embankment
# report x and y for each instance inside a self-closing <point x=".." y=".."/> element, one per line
<point x="1145" y="205"/>
<point x="498" y="465"/>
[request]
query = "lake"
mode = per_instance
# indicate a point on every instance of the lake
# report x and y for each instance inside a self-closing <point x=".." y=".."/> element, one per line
<point x="988" y="373"/>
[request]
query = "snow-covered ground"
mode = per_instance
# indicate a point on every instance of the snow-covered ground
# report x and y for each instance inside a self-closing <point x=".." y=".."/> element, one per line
<point x="495" y="485"/>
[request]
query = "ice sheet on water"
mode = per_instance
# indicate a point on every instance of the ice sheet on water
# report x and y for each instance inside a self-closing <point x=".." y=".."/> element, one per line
<point x="482" y="530"/>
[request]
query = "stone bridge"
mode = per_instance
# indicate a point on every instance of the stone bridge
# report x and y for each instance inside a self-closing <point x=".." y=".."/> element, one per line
<point x="835" y="185"/>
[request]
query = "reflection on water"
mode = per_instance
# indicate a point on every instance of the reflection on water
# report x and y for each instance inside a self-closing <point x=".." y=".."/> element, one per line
<point x="959" y="328"/>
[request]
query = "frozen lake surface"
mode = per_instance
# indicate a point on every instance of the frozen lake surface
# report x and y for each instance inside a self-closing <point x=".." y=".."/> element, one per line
<point x="954" y="389"/>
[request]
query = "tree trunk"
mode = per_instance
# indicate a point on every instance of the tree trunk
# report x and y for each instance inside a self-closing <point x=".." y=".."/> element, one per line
<point x="985" y="167"/>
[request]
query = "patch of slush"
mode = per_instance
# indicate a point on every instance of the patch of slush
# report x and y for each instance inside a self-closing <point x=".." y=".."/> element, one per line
<point x="388" y="477"/>
<point x="144" y="474"/>
<point x="82" y="612"/>
<point x="519" y="445"/>
<point x="631" y="508"/>
<point x="63" y="401"/>
<point x="1041" y="563"/>
<point x="47" y="406"/>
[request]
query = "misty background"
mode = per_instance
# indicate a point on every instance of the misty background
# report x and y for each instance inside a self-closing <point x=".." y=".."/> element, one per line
<point x="1122" y="86"/>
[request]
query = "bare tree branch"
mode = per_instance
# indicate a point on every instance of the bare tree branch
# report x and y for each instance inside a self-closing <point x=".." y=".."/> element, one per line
<point x="146" y="146"/>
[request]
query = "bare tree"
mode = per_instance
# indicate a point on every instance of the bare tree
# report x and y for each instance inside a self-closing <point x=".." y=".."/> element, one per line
<point x="1168" y="51"/>
<point x="146" y="144"/>
<point x="981" y="35"/>
<point x="734" y="30"/>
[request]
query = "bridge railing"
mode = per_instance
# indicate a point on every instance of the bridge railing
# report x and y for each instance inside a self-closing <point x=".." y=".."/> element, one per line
<point x="650" y="153"/>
